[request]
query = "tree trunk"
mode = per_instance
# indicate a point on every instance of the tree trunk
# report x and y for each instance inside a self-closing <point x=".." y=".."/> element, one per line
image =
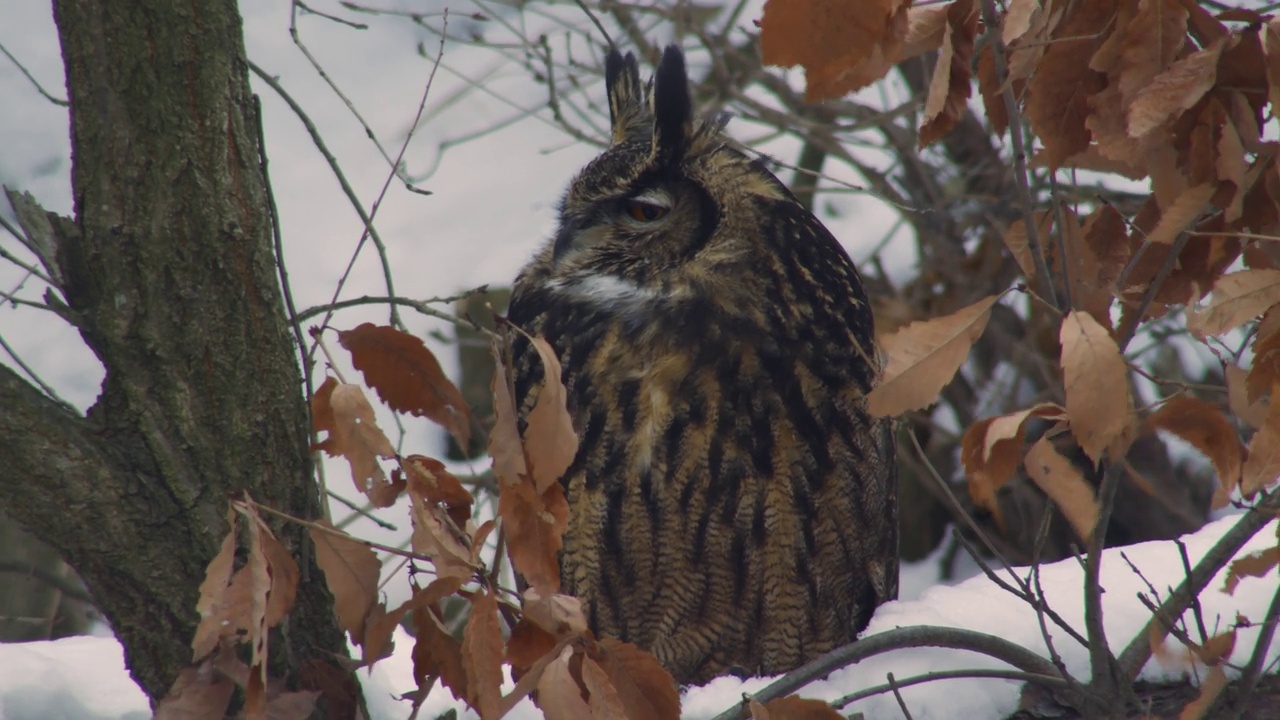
<point x="168" y="272"/>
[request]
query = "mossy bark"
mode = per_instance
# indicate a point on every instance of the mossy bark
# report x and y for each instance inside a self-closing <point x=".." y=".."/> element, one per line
<point x="169" y="273"/>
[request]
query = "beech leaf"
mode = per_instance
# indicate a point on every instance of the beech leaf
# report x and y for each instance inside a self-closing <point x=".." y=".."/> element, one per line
<point x="1262" y="466"/>
<point x="1175" y="90"/>
<point x="924" y="356"/>
<point x="1252" y="411"/>
<point x="505" y="446"/>
<point x="436" y="653"/>
<point x="407" y="376"/>
<point x="549" y="439"/>
<point x="351" y="571"/>
<point x="646" y="689"/>
<point x="213" y="602"/>
<point x="535" y="527"/>
<point x="1061" y="480"/>
<point x="1255" y="564"/>
<point x="1237" y="299"/>
<point x="992" y="449"/>
<point x="792" y="707"/>
<point x="1203" y="425"/>
<point x="842" y="46"/>
<point x="1097" y="384"/>
<point x="354" y="434"/>
<point x="482" y="656"/>
<point x="559" y="695"/>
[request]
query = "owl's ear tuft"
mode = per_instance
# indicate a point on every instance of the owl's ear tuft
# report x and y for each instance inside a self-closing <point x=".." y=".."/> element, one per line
<point x="627" y="111"/>
<point x="672" y="107"/>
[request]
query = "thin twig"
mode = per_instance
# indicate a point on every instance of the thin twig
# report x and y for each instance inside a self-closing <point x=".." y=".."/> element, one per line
<point x="902" y="704"/>
<point x="1138" y="651"/>
<point x="1196" y="611"/>
<point x="1018" y="146"/>
<point x="899" y="639"/>
<point x="319" y="142"/>
<point x="39" y="88"/>
<point x="421" y="306"/>
<point x="359" y="512"/>
<point x="1105" y="678"/>
<point x="65" y="585"/>
<point x="1253" y="670"/>
<point x="1043" y="680"/>
<point x="35" y="377"/>
<point x="1022" y="592"/>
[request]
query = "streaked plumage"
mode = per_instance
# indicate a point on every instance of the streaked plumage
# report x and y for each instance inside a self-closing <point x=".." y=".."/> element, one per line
<point x="733" y="507"/>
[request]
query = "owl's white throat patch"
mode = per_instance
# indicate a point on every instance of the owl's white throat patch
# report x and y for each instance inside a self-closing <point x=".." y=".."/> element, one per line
<point x="608" y="292"/>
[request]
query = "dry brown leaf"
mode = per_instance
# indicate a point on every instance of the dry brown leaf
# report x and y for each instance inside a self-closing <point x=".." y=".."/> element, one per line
<point x="197" y="694"/>
<point x="436" y="536"/>
<point x="381" y="624"/>
<point x="646" y="689"/>
<point x="603" y="696"/>
<point x="1059" y="90"/>
<point x="1255" y="564"/>
<point x="549" y="439"/>
<point x="949" y="89"/>
<point x="505" y="446"/>
<point x="1061" y="480"/>
<point x="1231" y="171"/>
<point x="559" y="694"/>
<point x="1182" y="213"/>
<point x="925" y="26"/>
<point x="354" y="434"/>
<point x="1017" y="21"/>
<point x="1253" y="412"/>
<point x="213" y="603"/>
<point x="559" y="614"/>
<point x="1175" y="90"/>
<point x="1271" y="35"/>
<point x="924" y="356"/>
<point x="430" y="479"/>
<point x="1237" y="299"/>
<point x="991" y="451"/>
<point x="528" y="644"/>
<point x="1217" y="649"/>
<point x="843" y="46"/>
<point x="990" y="89"/>
<point x="792" y="707"/>
<point x="535" y="527"/>
<point x="437" y="654"/>
<point x="407" y="376"/>
<point x="1097" y="384"/>
<point x="482" y="656"/>
<point x="1265" y="371"/>
<point x="1203" y="425"/>
<point x="257" y="575"/>
<point x="284" y="576"/>
<point x="351" y="571"/>
<point x="1262" y="466"/>
<point x="1214" y="682"/>
<point x="1015" y="238"/>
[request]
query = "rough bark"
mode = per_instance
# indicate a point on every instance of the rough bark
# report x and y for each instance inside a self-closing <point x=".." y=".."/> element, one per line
<point x="168" y="272"/>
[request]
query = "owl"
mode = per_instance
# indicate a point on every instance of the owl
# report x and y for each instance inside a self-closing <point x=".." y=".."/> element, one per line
<point x="733" y="506"/>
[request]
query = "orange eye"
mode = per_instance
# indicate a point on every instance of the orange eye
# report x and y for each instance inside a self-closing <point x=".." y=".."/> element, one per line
<point x="645" y="211"/>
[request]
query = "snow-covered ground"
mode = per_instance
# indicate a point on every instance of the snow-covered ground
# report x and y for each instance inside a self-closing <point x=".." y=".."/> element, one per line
<point x="84" y="678"/>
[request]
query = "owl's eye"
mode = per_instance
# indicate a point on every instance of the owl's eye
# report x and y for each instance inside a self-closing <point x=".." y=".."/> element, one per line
<point x="642" y="211"/>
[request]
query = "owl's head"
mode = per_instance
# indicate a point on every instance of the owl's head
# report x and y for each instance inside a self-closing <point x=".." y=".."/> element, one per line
<point x="668" y="209"/>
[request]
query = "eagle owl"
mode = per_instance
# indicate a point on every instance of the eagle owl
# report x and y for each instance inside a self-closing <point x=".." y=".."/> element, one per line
<point x="732" y="504"/>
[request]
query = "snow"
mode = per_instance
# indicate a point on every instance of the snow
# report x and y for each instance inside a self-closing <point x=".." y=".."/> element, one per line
<point x="493" y="205"/>
<point x="84" y="677"/>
